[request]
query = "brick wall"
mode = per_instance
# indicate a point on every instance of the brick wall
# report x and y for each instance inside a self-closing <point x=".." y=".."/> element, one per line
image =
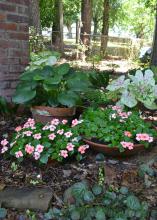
<point x="13" y="43"/>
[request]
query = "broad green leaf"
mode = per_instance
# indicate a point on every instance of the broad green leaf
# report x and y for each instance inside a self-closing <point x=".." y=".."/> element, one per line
<point x="97" y="190"/>
<point x="44" y="158"/>
<point x="63" y="69"/>
<point x="100" y="214"/>
<point x="52" y="60"/>
<point x="128" y="99"/>
<point x="88" y="196"/>
<point x="69" y="99"/>
<point x="133" y="202"/>
<point x="23" y="96"/>
<point x="124" y="190"/>
<point x="75" y="215"/>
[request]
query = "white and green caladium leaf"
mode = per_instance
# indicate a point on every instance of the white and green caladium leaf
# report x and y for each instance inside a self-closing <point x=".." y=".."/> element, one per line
<point x="52" y="60"/>
<point x="151" y="106"/>
<point x="149" y="77"/>
<point x="128" y="99"/>
<point x="138" y="77"/>
<point x="116" y="84"/>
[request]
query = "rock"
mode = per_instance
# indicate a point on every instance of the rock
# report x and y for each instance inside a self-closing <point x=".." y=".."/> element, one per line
<point x="26" y="198"/>
<point x="113" y="162"/>
<point x="2" y="123"/>
<point x="66" y="173"/>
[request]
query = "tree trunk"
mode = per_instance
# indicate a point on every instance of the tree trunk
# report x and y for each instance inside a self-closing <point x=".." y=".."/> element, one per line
<point x="95" y="29"/>
<point x="69" y="27"/>
<point x="35" y="15"/>
<point x="105" y="28"/>
<point x="86" y="18"/>
<point x="57" y="28"/>
<point x="154" y="52"/>
<point x="77" y="31"/>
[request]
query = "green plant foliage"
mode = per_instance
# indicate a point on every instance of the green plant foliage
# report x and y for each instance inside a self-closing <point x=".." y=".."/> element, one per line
<point x="52" y="86"/>
<point x="104" y="205"/>
<point x="139" y="88"/>
<point x="115" y="128"/>
<point x="36" y="41"/>
<point x="3" y="213"/>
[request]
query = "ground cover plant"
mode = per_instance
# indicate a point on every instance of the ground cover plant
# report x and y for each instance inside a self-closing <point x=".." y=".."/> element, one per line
<point x="116" y="128"/>
<point x="53" y="141"/>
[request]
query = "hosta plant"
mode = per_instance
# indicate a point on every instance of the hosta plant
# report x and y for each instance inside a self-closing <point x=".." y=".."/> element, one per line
<point x="116" y="128"/>
<point x="95" y="203"/>
<point x="138" y="88"/>
<point x="55" y="141"/>
<point x="57" y="86"/>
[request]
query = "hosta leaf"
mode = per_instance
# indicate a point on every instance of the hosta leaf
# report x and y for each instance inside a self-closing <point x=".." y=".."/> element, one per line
<point x="88" y="196"/>
<point x="23" y="96"/>
<point x="63" y="69"/>
<point x="69" y="99"/>
<point x="133" y="202"/>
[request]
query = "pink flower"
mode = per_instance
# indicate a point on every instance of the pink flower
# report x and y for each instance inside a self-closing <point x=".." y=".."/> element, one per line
<point x="82" y="149"/>
<point x="29" y="149"/>
<point x="128" y="145"/>
<point x="123" y="115"/>
<point x="29" y="124"/>
<point x="19" y="154"/>
<point x="142" y="137"/>
<point x="39" y="148"/>
<point x="60" y="131"/>
<point x="64" y="153"/>
<point x="64" y="122"/>
<point x="27" y="133"/>
<point x="36" y="155"/>
<point x="127" y="133"/>
<point x="55" y="121"/>
<point x="70" y="147"/>
<point x="68" y="134"/>
<point x="75" y="122"/>
<point x="116" y="108"/>
<point x="52" y="136"/>
<point x="37" y="136"/>
<point x="4" y="142"/>
<point x="46" y="127"/>
<point x="4" y="149"/>
<point x="19" y="128"/>
<point x="52" y="127"/>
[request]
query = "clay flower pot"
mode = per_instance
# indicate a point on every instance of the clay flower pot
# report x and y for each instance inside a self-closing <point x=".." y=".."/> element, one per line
<point x="114" y="151"/>
<point x="46" y="114"/>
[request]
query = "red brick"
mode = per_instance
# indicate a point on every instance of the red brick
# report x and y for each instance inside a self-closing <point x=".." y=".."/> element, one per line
<point x="8" y="26"/>
<point x="22" y="2"/>
<point x="17" y="18"/>
<point x="19" y="36"/>
<point x="23" y="28"/>
<point x="6" y="7"/>
<point x="17" y="53"/>
<point x="2" y="17"/>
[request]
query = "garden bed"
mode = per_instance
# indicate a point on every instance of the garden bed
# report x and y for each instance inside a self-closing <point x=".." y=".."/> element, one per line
<point x="61" y="176"/>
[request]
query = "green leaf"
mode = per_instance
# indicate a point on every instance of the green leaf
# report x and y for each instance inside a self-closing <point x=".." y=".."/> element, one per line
<point x="124" y="190"/>
<point x="44" y="158"/>
<point x="69" y="99"/>
<point x="63" y="69"/>
<point x="54" y="80"/>
<point x="97" y="190"/>
<point x="3" y="213"/>
<point x="23" y="96"/>
<point x="100" y="214"/>
<point x="75" y="215"/>
<point x="100" y="157"/>
<point x="88" y="196"/>
<point x="133" y="202"/>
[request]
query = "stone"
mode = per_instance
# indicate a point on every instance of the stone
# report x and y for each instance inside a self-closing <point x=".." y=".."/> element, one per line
<point x="33" y="198"/>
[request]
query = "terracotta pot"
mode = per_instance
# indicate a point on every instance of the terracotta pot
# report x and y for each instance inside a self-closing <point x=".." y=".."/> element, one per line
<point x="114" y="151"/>
<point x="45" y="114"/>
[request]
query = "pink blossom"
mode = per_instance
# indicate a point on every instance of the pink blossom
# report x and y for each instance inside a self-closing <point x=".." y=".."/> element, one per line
<point x="127" y="133"/>
<point x="116" y="108"/>
<point x="68" y="134"/>
<point x="27" y="133"/>
<point x="19" y="128"/>
<point x="4" y="142"/>
<point x="55" y="121"/>
<point x="52" y="127"/>
<point x="46" y="127"/>
<point x="64" y="153"/>
<point x="144" y="137"/>
<point x="52" y="136"/>
<point x="70" y="147"/>
<point x="37" y="136"/>
<point x="29" y="124"/>
<point x="36" y="155"/>
<point x="60" y="131"/>
<point x="82" y="149"/>
<point x="4" y="149"/>
<point x="123" y="115"/>
<point x="64" y="121"/>
<point x="39" y="148"/>
<point x="29" y="149"/>
<point x="128" y="145"/>
<point x="75" y="122"/>
<point x="19" y="154"/>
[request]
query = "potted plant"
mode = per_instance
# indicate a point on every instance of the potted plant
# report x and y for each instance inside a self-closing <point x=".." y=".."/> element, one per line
<point x="116" y="132"/>
<point x="52" y="92"/>
<point x="137" y="90"/>
<point x="53" y="141"/>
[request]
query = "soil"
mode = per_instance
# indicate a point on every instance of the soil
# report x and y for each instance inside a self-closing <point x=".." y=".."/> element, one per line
<point x="118" y="172"/>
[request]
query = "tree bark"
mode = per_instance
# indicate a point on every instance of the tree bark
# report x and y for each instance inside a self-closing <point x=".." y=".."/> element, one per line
<point x="95" y="29"/>
<point x="86" y="18"/>
<point x="77" y="31"/>
<point x="69" y="27"/>
<point x="57" y="28"/>
<point x="105" y="28"/>
<point x="154" y="51"/>
<point x="35" y="15"/>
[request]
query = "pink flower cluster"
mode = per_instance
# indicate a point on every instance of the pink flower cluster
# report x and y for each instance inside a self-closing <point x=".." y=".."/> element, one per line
<point x="4" y="144"/>
<point x="55" y="121"/>
<point x="30" y="124"/>
<point x="70" y="147"/>
<point x="68" y="134"/>
<point x="120" y="113"/>
<point x="76" y="122"/>
<point x="127" y="133"/>
<point x="144" y="137"/>
<point x="128" y="145"/>
<point x="19" y="154"/>
<point x="82" y="149"/>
